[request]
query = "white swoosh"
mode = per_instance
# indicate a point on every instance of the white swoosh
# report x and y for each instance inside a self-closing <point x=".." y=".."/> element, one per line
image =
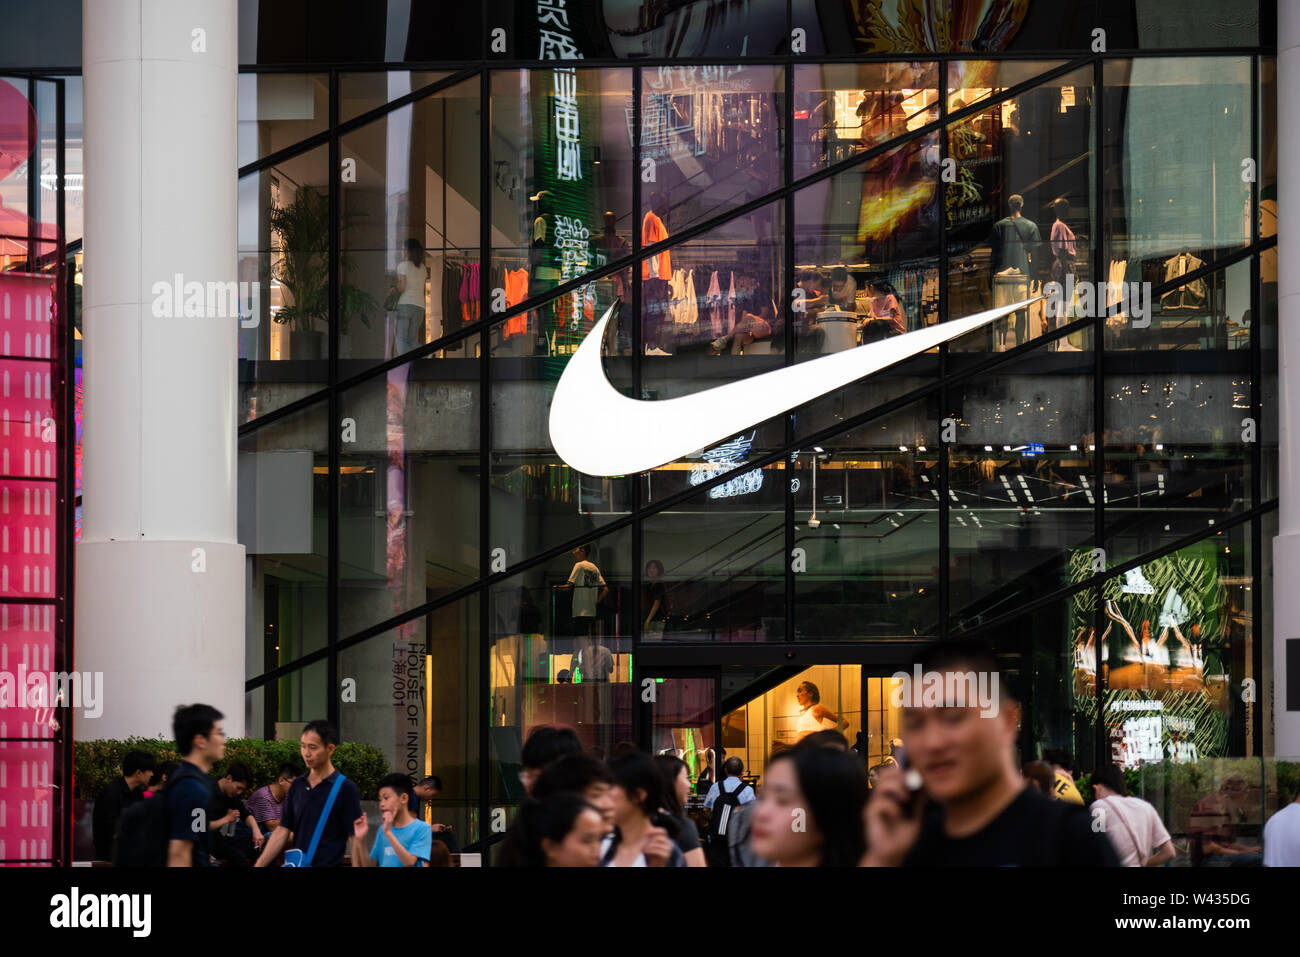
<point x="600" y="431"/>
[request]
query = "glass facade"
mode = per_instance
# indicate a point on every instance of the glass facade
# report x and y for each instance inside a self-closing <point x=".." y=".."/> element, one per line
<point x="1089" y="483"/>
<point x="1088" y="465"/>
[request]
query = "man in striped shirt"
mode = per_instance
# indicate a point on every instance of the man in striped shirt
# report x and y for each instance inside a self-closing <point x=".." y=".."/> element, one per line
<point x="266" y="802"/>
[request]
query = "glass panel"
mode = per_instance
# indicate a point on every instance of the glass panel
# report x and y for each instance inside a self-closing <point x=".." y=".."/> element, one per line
<point x="637" y="29"/>
<point x="562" y="176"/>
<point x="867" y="518"/>
<point x="1267" y="149"/>
<point x="409" y="229"/>
<point x="1212" y="312"/>
<point x="537" y="499"/>
<point x="1018" y="214"/>
<point x="763" y="715"/>
<point x="561" y="654"/>
<point x="841" y="110"/>
<point x="277" y="110"/>
<point x="877" y="27"/>
<point x="718" y="560"/>
<point x="710" y="141"/>
<point x="283" y="526"/>
<point x="867" y="251"/>
<point x="1178" y="638"/>
<point x="284" y="258"/>
<point x="715" y="295"/>
<point x="362" y="92"/>
<point x="1176" y="133"/>
<point x="1171" y="24"/>
<point x="971" y="81"/>
<point x="408" y="489"/>
<point x="417" y="702"/>
<point x="279" y="710"/>
<point x="1176" y="458"/>
<point x="681" y="724"/>
<point x="1022" y="486"/>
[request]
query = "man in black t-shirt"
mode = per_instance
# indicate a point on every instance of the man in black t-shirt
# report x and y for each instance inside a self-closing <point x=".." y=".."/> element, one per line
<point x="962" y="802"/>
<point x="306" y="801"/>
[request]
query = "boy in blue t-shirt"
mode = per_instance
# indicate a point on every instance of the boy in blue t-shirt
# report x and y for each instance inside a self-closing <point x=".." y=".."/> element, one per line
<point x="403" y="841"/>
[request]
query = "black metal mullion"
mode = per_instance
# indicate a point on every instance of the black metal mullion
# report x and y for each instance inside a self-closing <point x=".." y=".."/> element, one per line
<point x="332" y="698"/>
<point x="637" y="483"/>
<point x="1102" y="753"/>
<point x="65" y="531"/>
<point x="1257" y="636"/>
<point x="945" y="458"/>
<point x="788" y="463"/>
<point x="485" y="443"/>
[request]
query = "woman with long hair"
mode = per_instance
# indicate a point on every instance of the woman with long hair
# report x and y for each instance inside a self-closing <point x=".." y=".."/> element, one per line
<point x="809" y="813"/>
<point x="677" y="786"/>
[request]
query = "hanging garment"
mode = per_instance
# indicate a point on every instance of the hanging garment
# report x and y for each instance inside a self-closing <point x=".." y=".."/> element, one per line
<point x="658" y="266"/>
<point x="731" y="306"/>
<point x="682" y="307"/>
<point x="1189" y="296"/>
<point x="516" y="288"/>
<point x="713" y="304"/>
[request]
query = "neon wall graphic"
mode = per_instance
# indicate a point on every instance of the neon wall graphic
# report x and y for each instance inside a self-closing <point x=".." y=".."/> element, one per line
<point x="30" y="548"/>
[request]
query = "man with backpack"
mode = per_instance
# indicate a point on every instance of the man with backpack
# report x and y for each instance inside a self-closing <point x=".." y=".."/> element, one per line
<point x="189" y="795"/>
<point x="171" y="828"/>
<point x="723" y="799"/>
<point x="320" y="808"/>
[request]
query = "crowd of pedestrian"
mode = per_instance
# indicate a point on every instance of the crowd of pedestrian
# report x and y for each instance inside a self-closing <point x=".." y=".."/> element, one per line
<point x="951" y="794"/>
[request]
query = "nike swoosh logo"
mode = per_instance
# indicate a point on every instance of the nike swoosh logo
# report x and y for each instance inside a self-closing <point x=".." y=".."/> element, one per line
<point x="600" y="431"/>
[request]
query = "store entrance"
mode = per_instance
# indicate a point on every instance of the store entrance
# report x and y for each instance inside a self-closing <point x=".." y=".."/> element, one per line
<point x="753" y="712"/>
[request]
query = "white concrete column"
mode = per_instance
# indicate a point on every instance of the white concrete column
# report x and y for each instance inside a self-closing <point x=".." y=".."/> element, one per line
<point x="1286" y="547"/>
<point x="160" y="574"/>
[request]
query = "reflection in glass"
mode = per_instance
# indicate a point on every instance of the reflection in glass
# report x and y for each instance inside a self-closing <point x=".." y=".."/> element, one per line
<point x="1018" y="212"/>
<point x="561" y="654"/>
<point x="710" y="141"/>
<point x="408" y="490"/>
<point x="284" y="259"/>
<point x="283" y="521"/>
<point x="408" y="228"/>
<point x="562" y="182"/>
<point x="417" y="702"/>
<point x="277" y="110"/>
<point x="1176" y="133"/>
<point x="841" y="110"/>
<point x="866" y="251"/>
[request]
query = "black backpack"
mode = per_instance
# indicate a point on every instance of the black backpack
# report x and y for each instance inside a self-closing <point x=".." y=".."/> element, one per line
<point x="145" y="830"/>
<point x="724" y="808"/>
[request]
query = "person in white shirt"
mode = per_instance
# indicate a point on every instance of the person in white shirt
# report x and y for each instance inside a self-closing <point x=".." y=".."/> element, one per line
<point x="1130" y="823"/>
<point x="1282" y="837"/>
<point x="584" y="580"/>
<point x="410" y="304"/>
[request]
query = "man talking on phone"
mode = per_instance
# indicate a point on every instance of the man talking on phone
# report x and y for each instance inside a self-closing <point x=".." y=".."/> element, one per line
<point x="960" y="801"/>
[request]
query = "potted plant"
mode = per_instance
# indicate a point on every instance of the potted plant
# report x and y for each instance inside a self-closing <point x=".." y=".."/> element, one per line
<point x="303" y="271"/>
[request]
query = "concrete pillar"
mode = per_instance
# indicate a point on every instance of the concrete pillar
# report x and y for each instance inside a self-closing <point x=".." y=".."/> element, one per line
<point x="1286" y="547"/>
<point x="160" y="574"/>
